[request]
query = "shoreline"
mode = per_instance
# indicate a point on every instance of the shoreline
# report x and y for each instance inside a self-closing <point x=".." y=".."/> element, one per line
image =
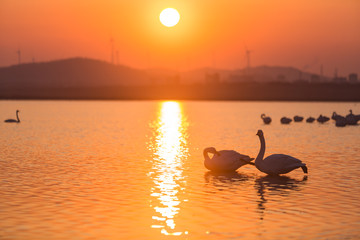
<point x="245" y="91"/>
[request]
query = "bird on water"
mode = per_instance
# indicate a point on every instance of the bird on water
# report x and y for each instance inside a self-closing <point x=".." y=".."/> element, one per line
<point x="298" y="118"/>
<point x="276" y="164"/>
<point x="285" y="120"/>
<point x="225" y="160"/>
<point x="267" y="120"/>
<point x="13" y="120"/>
<point x="310" y="119"/>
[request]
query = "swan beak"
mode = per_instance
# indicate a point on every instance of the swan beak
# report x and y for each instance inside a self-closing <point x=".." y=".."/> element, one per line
<point x="217" y="153"/>
<point x="252" y="159"/>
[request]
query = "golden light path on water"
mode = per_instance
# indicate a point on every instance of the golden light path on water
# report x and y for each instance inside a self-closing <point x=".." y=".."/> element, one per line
<point x="170" y="150"/>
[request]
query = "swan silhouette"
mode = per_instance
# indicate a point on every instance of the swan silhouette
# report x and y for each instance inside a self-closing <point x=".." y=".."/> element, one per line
<point x="351" y="119"/>
<point x="276" y="164"/>
<point x="266" y="119"/>
<point x="13" y="120"/>
<point x="357" y="117"/>
<point x="298" y="118"/>
<point x="285" y="120"/>
<point x="310" y="119"/>
<point x="224" y="160"/>
<point x="322" y="119"/>
<point x="340" y="121"/>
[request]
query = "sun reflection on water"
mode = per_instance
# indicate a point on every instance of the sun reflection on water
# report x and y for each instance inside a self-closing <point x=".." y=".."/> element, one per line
<point x="169" y="148"/>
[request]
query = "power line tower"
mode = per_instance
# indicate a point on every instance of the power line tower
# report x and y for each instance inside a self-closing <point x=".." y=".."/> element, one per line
<point x="112" y="50"/>
<point x="19" y="56"/>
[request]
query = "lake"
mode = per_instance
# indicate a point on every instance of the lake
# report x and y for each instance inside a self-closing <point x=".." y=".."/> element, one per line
<point x="134" y="170"/>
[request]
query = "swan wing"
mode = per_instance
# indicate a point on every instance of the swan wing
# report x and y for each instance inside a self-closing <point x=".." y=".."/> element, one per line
<point x="228" y="160"/>
<point x="281" y="163"/>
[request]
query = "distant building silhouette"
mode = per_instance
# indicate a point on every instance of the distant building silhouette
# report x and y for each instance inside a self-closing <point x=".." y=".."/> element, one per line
<point x="353" y="78"/>
<point x="339" y="79"/>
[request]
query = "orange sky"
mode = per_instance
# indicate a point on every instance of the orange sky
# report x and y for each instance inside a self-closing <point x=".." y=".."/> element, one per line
<point x="299" y="33"/>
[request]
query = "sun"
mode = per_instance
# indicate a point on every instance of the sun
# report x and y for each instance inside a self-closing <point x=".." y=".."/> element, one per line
<point x="169" y="17"/>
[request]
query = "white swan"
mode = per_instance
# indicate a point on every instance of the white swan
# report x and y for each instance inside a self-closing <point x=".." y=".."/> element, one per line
<point x="322" y="119"/>
<point x="13" y="120"/>
<point x="285" y="120"/>
<point x="298" y="118"/>
<point x="266" y="120"/>
<point x="310" y="119"/>
<point x="277" y="163"/>
<point x="224" y="160"/>
<point x="351" y="119"/>
<point x="340" y="121"/>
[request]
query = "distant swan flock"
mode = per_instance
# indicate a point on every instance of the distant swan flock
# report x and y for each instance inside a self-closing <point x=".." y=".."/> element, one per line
<point x="340" y="121"/>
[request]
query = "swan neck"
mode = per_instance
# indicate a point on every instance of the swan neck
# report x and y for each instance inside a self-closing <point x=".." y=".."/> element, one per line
<point x="17" y="116"/>
<point x="206" y="154"/>
<point x="260" y="156"/>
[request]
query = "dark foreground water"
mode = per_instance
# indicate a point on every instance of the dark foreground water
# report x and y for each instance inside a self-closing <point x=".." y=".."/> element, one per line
<point x="134" y="170"/>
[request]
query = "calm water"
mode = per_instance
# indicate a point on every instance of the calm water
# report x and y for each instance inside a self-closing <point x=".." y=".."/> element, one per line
<point x="134" y="170"/>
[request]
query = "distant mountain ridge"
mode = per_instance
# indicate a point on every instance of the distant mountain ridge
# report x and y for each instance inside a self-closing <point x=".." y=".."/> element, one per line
<point x="74" y="72"/>
<point x="84" y="72"/>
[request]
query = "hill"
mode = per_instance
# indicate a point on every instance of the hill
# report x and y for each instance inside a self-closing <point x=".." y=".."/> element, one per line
<point x="75" y="72"/>
<point x="81" y="78"/>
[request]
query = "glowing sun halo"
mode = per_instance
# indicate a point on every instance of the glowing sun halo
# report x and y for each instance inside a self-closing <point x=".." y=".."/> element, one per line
<point x="169" y="17"/>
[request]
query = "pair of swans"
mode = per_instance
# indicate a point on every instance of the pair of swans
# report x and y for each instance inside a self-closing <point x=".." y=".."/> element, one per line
<point x="13" y="120"/>
<point x="229" y="160"/>
<point x="341" y="121"/>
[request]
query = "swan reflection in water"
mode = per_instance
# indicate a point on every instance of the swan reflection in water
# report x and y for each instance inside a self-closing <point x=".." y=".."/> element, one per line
<point x="275" y="185"/>
<point x="169" y="147"/>
<point x="225" y="177"/>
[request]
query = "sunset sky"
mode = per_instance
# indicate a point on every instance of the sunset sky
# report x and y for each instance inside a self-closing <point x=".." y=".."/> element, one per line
<point x="299" y="33"/>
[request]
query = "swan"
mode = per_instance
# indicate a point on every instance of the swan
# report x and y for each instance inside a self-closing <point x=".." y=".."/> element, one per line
<point x="322" y="119"/>
<point x="225" y="160"/>
<point x="285" y="120"/>
<point x="351" y="119"/>
<point x="276" y="164"/>
<point x="298" y="118"/>
<point x="340" y="121"/>
<point x="310" y="119"/>
<point x="266" y="120"/>
<point x="13" y="120"/>
<point x="357" y="117"/>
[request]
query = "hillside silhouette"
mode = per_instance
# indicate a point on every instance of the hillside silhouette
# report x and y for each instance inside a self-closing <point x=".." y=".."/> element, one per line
<point x="75" y="72"/>
<point x="81" y="78"/>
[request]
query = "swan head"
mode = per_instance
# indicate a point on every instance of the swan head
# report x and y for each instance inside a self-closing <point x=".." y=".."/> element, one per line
<point x="262" y="115"/>
<point x="17" y="111"/>
<point x="260" y="133"/>
<point x="212" y="150"/>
